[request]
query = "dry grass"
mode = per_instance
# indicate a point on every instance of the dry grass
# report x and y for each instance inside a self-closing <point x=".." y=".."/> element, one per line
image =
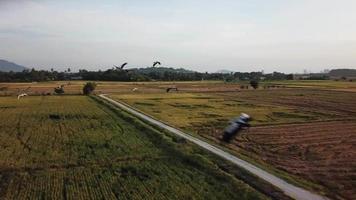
<point x="310" y="120"/>
<point x="204" y="108"/>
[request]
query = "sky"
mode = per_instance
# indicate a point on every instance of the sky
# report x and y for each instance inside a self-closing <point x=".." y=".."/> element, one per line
<point x="202" y="35"/>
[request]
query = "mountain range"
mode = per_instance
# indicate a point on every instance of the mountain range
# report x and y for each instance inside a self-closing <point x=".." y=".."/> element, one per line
<point x="6" y="66"/>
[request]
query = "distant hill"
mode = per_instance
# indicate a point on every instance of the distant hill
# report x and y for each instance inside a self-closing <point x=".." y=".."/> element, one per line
<point x="342" y="73"/>
<point x="6" y="66"/>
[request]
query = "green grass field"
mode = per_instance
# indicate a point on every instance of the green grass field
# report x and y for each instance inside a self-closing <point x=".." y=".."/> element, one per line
<point x="74" y="147"/>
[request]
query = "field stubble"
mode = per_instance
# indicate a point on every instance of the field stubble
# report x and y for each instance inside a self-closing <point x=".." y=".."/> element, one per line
<point x="308" y="133"/>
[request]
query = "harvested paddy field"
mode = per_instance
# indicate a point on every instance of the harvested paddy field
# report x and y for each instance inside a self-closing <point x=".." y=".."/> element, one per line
<point x="308" y="133"/>
<point x="113" y="87"/>
<point x="214" y="110"/>
<point x="204" y="109"/>
<point x="75" y="147"/>
<point x="349" y="86"/>
<point x="75" y="87"/>
<point x="323" y="152"/>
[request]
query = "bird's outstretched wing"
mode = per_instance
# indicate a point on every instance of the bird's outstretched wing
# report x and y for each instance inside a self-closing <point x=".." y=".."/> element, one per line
<point x="156" y="63"/>
<point x="123" y="65"/>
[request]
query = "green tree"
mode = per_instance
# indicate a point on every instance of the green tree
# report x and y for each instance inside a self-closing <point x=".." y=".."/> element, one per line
<point x="254" y="84"/>
<point x="89" y="87"/>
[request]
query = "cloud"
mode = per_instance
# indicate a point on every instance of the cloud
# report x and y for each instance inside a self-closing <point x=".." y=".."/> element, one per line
<point x="204" y="35"/>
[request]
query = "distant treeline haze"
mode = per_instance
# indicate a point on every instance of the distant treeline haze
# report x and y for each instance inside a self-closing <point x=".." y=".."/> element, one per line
<point x="141" y="74"/>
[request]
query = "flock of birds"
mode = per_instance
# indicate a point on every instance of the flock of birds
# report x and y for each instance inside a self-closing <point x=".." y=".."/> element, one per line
<point x="231" y="131"/>
<point x="23" y="93"/>
<point x="154" y="64"/>
<point x="124" y="64"/>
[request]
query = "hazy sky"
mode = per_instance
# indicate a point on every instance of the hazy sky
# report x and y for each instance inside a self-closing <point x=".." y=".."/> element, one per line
<point x="204" y="35"/>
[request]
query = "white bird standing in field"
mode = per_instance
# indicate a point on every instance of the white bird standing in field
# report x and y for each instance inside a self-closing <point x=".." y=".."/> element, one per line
<point x="21" y="95"/>
<point x="134" y="90"/>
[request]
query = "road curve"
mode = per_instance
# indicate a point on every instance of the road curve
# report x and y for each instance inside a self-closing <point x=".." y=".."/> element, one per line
<point x="289" y="189"/>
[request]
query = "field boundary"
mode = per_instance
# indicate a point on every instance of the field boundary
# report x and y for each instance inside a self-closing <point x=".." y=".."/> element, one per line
<point x="289" y="189"/>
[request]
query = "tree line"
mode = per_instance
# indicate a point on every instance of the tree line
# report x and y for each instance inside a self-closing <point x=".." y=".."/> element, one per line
<point x="137" y="74"/>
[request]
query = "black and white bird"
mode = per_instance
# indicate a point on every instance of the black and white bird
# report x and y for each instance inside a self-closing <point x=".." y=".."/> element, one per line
<point x="123" y="65"/>
<point x="156" y="63"/>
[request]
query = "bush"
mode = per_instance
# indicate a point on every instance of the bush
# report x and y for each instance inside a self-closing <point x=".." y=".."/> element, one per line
<point x="254" y="84"/>
<point x="89" y="87"/>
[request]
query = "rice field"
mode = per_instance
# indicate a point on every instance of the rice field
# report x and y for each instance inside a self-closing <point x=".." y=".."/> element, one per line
<point x="73" y="147"/>
<point x="208" y="113"/>
<point x="305" y="135"/>
<point x="349" y="86"/>
<point x="203" y="109"/>
<point x="112" y="87"/>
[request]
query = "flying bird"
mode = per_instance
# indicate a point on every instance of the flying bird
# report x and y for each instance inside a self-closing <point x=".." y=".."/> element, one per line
<point x="156" y="63"/>
<point x="123" y="65"/>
